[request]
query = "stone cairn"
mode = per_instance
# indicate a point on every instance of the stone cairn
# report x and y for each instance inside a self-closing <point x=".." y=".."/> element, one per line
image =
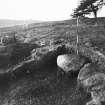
<point x="91" y="75"/>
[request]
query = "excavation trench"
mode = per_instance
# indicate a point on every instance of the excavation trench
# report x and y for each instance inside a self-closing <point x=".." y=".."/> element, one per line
<point x="36" y="80"/>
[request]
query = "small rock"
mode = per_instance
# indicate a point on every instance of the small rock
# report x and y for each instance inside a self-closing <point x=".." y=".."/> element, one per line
<point x="39" y="53"/>
<point x="88" y="44"/>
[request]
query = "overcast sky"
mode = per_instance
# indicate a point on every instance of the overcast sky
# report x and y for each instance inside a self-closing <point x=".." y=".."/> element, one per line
<point x="45" y="10"/>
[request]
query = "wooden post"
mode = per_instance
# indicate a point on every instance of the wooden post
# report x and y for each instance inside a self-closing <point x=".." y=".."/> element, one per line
<point x="77" y="43"/>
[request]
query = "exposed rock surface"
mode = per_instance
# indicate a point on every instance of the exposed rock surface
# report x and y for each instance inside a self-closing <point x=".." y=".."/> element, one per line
<point x="92" y="79"/>
<point x="96" y="86"/>
<point x="87" y="71"/>
<point x="97" y="98"/>
<point x="70" y="62"/>
<point x="94" y="82"/>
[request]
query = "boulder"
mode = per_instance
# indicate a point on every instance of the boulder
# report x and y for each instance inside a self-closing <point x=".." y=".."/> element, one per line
<point x="90" y="77"/>
<point x="96" y="86"/>
<point x="87" y="71"/>
<point x="95" y="82"/>
<point x="97" y="64"/>
<point x="92" y="56"/>
<point x="70" y="62"/>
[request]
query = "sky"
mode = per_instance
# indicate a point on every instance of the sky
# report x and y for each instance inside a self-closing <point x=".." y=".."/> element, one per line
<point x="43" y="10"/>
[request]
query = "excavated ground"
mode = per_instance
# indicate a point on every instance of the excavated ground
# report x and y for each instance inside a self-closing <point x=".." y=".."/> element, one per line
<point x="41" y="88"/>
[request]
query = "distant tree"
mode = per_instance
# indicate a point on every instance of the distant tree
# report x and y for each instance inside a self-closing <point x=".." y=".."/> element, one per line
<point x="87" y="7"/>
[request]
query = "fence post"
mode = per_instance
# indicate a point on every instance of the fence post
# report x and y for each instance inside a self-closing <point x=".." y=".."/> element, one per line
<point x="77" y="43"/>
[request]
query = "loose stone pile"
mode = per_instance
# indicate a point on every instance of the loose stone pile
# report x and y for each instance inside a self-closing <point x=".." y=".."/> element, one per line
<point x="91" y="76"/>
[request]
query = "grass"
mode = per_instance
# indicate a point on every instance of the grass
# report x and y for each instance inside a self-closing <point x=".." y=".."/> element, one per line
<point x="41" y="87"/>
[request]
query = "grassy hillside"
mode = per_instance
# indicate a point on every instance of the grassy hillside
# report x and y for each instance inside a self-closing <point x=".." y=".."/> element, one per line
<point x="41" y="87"/>
<point x="87" y="30"/>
